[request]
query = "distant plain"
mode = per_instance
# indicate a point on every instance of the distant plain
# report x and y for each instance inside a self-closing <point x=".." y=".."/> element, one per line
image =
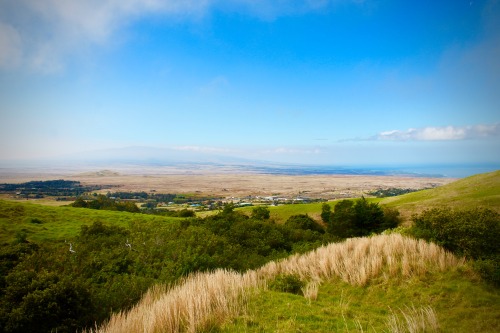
<point x="229" y="182"/>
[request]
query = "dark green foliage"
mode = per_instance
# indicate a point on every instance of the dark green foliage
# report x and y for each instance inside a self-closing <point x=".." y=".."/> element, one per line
<point x="79" y="282"/>
<point x="391" y="192"/>
<point x="304" y="222"/>
<point x="472" y="233"/>
<point x="49" y="187"/>
<point x="149" y="205"/>
<point x="21" y="237"/>
<point x="43" y="302"/>
<point x="326" y="211"/>
<point x="171" y="213"/>
<point x="287" y="283"/>
<point x="261" y="213"/>
<point x="105" y="203"/>
<point x="228" y="208"/>
<point x="186" y="213"/>
<point x="342" y="220"/>
<point x="360" y="218"/>
<point x="35" y="220"/>
<point x="392" y="218"/>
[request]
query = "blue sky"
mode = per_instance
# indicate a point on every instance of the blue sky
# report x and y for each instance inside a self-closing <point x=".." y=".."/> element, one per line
<point x="339" y="82"/>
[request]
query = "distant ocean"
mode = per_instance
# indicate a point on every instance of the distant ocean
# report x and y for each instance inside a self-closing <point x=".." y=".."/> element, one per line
<point x="448" y="171"/>
<point x="259" y="167"/>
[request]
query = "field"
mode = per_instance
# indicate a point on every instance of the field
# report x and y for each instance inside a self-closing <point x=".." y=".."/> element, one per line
<point x="238" y="185"/>
<point x="54" y="224"/>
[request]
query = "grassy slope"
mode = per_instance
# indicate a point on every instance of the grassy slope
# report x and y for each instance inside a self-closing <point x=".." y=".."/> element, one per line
<point x="282" y="213"/>
<point x="58" y="223"/>
<point x="478" y="190"/>
<point x="461" y="305"/>
<point x="363" y="281"/>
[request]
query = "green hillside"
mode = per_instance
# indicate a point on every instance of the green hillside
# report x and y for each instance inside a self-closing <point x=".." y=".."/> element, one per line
<point x="283" y="212"/>
<point x="385" y="283"/>
<point x="481" y="190"/>
<point x="40" y="223"/>
<point x="459" y="305"/>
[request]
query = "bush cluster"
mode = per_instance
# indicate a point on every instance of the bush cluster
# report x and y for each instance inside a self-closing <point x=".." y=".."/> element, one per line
<point x="105" y="203"/>
<point x="473" y="233"/>
<point x="287" y="283"/>
<point x="358" y="218"/>
<point x="65" y="286"/>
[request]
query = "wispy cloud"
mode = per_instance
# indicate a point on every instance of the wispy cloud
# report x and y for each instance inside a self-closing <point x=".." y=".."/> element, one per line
<point x="40" y="34"/>
<point x="447" y="133"/>
<point x="292" y="151"/>
<point x="204" y="149"/>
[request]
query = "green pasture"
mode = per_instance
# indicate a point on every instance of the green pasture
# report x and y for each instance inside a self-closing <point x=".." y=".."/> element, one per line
<point x="481" y="190"/>
<point x="283" y="212"/>
<point x="40" y="223"/>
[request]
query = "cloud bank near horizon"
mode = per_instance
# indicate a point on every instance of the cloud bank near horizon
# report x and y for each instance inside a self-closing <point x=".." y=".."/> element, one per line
<point x="446" y="133"/>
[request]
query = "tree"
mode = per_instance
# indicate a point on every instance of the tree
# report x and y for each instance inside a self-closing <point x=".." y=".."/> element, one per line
<point x="228" y="208"/>
<point x="342" y="219"/>
<point x="303" y="222"/>
<point x="369" y="217"/>
<point x="360" y="218"/>
<point x="261" y="213"/>
<point x="326" y="212"/>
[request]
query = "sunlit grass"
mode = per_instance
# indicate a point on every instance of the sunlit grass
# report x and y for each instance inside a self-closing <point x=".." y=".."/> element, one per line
<point x="479" y="190"/>
<point x="59" y="223"/>
<point x="357" y="284"/>
<point x="448" y="300"/>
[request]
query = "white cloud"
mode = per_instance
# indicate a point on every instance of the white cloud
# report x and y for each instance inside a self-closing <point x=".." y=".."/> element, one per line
<point x="40" y="34"/>
<point x="291" y="151"/>
<point x="203" y="149"/>
<point x="447" y="133"/>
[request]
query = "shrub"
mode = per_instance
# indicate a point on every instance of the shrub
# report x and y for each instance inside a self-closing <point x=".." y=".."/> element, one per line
<point x="472" y="233"/>
<point x="261" y="213"/>
<point x="303" y="222"/>
<point x="186" y="213"/>
<point x="360" y="218"/>
<point x="288" y="283"/>
<point x="44" y="302"/>
<point x="35" y="220"/>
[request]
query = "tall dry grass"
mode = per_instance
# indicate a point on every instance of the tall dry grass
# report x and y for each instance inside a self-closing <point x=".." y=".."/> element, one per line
<point x="206" y="300"/>
<point x="197" y="303"/>
<point x="357" y="260"/>
<point x="413" y="320"/>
